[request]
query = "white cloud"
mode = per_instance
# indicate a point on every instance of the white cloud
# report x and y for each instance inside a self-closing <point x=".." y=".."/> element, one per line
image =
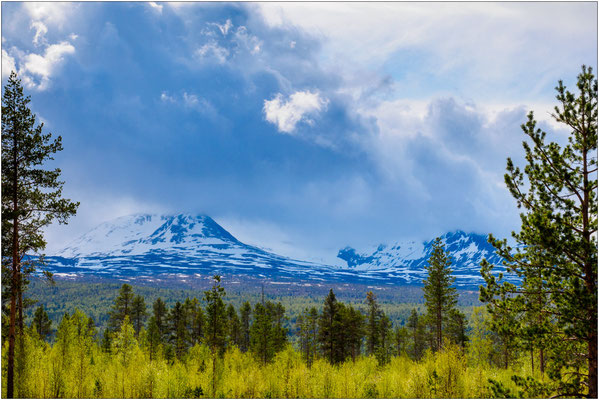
<point x="287" y="114"/>
<point x="36" y="69"/>
<point x="166" y="98"/>
<point x="51" y="13"/>
<point x="8" y="64"/>
<point x="489" y="46"/>
<point x="40" y="32"/>
<point x="213" y="50"/>
<point x="157" y="7"/>
<point x="224" y="28"/>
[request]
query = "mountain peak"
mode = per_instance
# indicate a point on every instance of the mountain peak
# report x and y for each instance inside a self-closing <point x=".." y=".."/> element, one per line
<point x="142" y="233"/>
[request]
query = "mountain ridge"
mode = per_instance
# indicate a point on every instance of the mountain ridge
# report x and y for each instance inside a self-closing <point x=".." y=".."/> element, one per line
<point x="191" y="246"/>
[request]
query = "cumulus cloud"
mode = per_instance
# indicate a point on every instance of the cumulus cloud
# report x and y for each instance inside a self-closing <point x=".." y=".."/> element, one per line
<point x="8" y="64"/>
<point x="36" y="69"/>
<point x="286" y="114"/>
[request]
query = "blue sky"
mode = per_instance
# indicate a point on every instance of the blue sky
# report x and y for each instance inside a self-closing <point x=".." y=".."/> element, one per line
<point x="300" y="127"/>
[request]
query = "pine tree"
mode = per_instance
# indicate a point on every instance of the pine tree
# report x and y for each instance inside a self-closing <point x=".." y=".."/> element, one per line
<point x="307" y="326"/>
<point x="41" y="323"/>
<point x="374" y="315"/>
<point x="178" y="330"/>
<point x="216" y="331"/>
<point x="262" y="335"/>
<point x="457" y="325"/>
<point x="234" y="334"/>
<point x="440" y="297"/>
<point x="400" y="336"/>
<point x="31" y="200"/>
<point x="330" y="332"/>
<point x="160" y="315"/>
<point x="383" y="350"/>
<point x="121" y="308"/>
<point x="138" y="313"/>
<point x="246" y="310"/>
<point x="416" y="326"/>
<point x="354" y="329"/>
<point x="154" y="338"/>
<point x="557" y="242"/>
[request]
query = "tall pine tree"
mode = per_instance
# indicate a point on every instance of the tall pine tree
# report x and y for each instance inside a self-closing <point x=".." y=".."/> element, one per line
<point x="557" y="242"/>
<point x="440" y="297"/>
<point x="31" y="200"/>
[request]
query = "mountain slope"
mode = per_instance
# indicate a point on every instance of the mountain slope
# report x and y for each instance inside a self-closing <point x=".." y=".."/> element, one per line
<point x="188" y="246"/>
<point x="407" y="260"/>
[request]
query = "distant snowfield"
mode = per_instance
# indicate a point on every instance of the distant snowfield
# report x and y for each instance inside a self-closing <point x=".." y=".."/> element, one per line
<point x="194" y="246"/>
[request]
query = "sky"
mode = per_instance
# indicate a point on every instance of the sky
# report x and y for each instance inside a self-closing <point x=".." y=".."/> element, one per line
<point x="299" y="127"/>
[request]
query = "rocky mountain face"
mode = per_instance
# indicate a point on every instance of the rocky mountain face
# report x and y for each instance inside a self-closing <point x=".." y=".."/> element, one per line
<point x="188" y="246"/>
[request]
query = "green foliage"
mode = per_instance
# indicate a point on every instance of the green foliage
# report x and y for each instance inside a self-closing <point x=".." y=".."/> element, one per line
<point x="555" y="306"/>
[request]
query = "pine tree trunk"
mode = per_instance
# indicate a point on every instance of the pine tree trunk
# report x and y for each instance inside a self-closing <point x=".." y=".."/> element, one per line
<point x="14" y="293"/>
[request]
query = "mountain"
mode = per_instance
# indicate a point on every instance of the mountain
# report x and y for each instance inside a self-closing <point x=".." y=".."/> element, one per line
<point x="180" y="246"/>
<point x="184" y="246"/>
<point x="407" y="261"/>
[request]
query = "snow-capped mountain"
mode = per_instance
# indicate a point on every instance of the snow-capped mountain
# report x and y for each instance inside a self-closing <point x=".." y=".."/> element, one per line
<point x="188" y="246"/>
<point x="407" y="260"/>
<point x="183" y="245"/>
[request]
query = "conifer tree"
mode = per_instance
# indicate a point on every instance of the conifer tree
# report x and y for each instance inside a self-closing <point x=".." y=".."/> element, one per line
<point x="557" y="242"/>
<point x="246" y="310"/>
<point x="383" y="351"/>
<point x="41" y="323"/>
<point x="440" y="297"/>
<point x="138" y="313"/>
<point x="400" y="336"/>
<point x="160" y="315"/>
<point x="374" y="315"/>
<point x="178" y="330"/>
<point x="122" y="307"/>
<point x="262" y="335"/>
<point x="354" y="330"/>
<point x="307" y="330"/>
<point x="330" y="332"/>
<point x="31" y="200"/>
<point x="234" y="333"/>
<point x="154" y="338"/>
<point x="216" y="331"/>
<point x="416" y="326"/>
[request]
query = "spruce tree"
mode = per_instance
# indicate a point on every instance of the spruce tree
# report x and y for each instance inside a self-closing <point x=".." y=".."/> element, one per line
<point x="556" y="249"/>
<point x="440" y="297"/>
<point x="31" y="200"/>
